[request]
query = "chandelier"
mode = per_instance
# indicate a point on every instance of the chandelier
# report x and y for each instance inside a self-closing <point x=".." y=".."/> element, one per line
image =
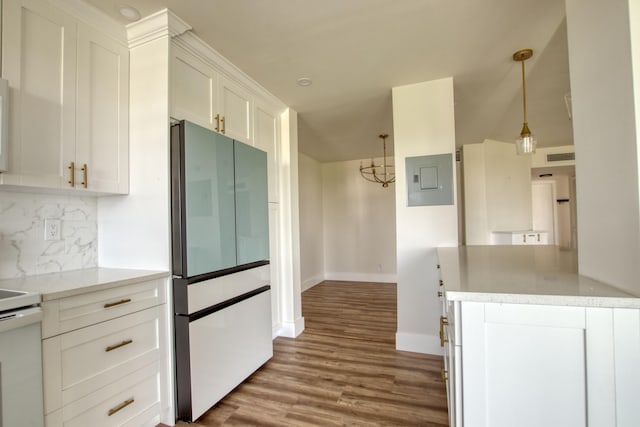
<point x="381" y="174"/>
<point x="526" y="144"/>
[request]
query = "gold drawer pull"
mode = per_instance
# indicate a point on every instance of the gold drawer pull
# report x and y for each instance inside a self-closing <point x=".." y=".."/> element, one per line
<point x="222" y="121"/>
<point x="445" y="375"/>
<point x="441" y="282"/>
<point x="440" y="294"/>
<point x="121" y="406"/>
<point x="443" y="322"/>
<point x="113" y="304"/>
<point x="72" y="174"/>
<point x="122" y="344"/>
<point x="85" y="172"/>
<point x="217" y="119"/>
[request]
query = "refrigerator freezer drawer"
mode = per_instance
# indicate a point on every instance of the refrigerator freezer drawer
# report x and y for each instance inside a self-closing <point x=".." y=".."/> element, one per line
<point x="225" y="347"/>
<point x="204" y="294"/>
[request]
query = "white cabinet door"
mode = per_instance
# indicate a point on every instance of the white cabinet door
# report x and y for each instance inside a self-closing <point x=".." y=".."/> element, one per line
<point x="194" y="90"/>
<point x="102" y="155"/>
<point x="523" y="365"/>
<point x="235" y="106"/>
<point x="39" y="61"/>
<point x="274" y="259"/>
<point x="267" y="138"/>
<point x="626" y="324"/>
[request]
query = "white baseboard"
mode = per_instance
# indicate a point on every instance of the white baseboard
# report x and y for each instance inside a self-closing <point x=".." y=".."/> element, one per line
<point x="419" y="343"/>
<point x="292" y="329"/>
<point x="311" y="282"/>
<point x="362" y="277"/>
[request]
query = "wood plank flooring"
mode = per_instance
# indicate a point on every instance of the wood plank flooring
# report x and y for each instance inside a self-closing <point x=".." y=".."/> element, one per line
<point x="343" y="370"/>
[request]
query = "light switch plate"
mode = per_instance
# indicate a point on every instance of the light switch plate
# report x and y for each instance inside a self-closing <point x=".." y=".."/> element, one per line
<point x="52" y="229"/>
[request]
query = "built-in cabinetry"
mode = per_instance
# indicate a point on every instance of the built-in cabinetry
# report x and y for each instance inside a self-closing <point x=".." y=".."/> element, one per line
<point x="565" y="356"/>
<point x="69" y="97"/>
<point x="208" y="91"/>
<point x="204" y="96"/>
<point x="104" y="356"/>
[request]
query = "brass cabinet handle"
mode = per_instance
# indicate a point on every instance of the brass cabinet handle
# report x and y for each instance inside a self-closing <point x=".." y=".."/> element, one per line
<point x="445" y="375"/>
<point x="441" y="282"/>
<point x="443" y="322"/>
<point x="85" y="173"/>
<point x="438" y="266"/>
<point x="524" y="238"/>
<point x="72" y="174"/>
<point x="217" y="119"/>
<point x="121" y="406"/>
<point x="122" y="344"/>
<point x="440" y="294"/>
<point x="113" y="304"/>
<point x="538" y="237"/>
<point x="222" y="120"/>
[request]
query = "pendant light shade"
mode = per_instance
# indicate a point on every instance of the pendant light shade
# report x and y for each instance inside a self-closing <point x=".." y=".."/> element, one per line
<point x="526" y="144"/>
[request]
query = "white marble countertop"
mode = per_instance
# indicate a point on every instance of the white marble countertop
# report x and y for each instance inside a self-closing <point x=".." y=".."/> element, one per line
<point x="68" y="283"/>
<point x="524" y="275"/>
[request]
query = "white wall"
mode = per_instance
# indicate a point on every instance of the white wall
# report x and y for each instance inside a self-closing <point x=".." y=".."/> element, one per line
<point x="135" y="230"/>
<point x="359" y="225"/>
<point x="497" y="185"/>
<point x="605" y="137"/>
<point x="311" y="229"/>
<point x="423" y="124"/>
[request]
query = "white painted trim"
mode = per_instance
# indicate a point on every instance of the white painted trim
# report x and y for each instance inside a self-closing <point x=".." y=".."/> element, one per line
<point x="312" y="281"/>
<point x="292" y="329"/>
<point x="160" y="24"/>
<point x="201" y="50"/>
<point x="362" y="277"/>
<point x="419" y="343"/>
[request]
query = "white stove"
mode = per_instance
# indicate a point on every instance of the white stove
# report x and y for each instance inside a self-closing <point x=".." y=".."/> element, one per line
<point x="21" y="402"/>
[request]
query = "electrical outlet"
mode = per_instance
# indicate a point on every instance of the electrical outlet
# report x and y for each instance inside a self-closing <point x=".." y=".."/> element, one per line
<point x="52" y="229"/>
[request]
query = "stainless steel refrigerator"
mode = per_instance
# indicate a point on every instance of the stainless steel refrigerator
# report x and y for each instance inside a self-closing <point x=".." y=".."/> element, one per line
<point x="221" y="284"/>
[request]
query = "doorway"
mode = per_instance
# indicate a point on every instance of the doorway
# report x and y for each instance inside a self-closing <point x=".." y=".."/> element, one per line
<point x="544" y="215"/>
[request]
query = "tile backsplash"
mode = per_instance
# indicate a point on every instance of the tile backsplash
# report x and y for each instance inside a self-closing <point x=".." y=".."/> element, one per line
<point x="23" y="249"/>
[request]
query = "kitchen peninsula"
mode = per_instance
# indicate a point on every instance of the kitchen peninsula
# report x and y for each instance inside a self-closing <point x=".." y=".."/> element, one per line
<point x="528" y="341"/>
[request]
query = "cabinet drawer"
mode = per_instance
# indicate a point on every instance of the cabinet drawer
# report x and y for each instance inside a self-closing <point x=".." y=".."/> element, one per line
<point x="132" y="401"/>
<point x="68" y="314"/>
<point x="80" y="362"/>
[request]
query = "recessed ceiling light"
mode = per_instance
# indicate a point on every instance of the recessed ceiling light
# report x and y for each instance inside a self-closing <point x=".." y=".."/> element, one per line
<point x="304" y="81"/>
<point x="128" y="12"/>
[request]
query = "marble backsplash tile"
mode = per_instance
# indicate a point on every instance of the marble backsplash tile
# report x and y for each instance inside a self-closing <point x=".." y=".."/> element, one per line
<point x="23" y="250"/>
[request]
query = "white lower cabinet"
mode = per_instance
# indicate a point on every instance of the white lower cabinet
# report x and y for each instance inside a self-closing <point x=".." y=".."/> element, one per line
<point x="108" y="373"/>
<point x="537" y="365"/>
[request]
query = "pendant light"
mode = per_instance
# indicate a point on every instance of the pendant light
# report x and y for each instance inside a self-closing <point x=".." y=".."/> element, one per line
<point x="380" y="174"/>
<point x="526" y="144"/>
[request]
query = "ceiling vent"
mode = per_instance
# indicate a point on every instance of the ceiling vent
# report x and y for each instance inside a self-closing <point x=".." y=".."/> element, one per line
<point x="561" y="157"/>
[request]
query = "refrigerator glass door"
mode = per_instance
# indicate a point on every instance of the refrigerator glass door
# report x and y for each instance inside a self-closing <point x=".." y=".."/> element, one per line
<point x="252" y="209"/>
<point x="210" y="207"/>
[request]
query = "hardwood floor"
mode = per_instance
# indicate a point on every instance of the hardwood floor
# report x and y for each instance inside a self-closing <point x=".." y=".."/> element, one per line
<point x="343" y="370"/>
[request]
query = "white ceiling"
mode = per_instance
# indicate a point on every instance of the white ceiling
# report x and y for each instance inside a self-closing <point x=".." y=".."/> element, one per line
<point x="355" y="51"/>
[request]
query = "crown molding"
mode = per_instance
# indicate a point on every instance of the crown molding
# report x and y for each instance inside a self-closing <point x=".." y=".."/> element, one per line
<point x="163" y="23"/>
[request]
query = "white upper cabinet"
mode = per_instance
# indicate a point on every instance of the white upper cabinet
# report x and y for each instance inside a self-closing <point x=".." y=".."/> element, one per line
<point x="266" y="138"/>
<point x="102" y="138"/>
<point x="39" y="61"/>
<point x="194" y="90"/>
<point x="69" y="101"/>
<point x="235" y="110"/>
<point x="202" y="95"/>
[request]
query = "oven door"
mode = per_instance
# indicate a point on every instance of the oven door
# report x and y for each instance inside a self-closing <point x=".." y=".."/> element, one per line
<point x="21" y="368"/>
